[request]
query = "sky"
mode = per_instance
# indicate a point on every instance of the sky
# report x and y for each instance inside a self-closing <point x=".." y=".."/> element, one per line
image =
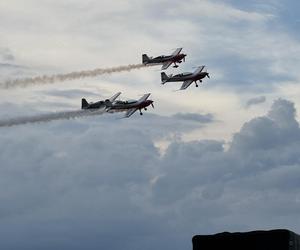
<point x="221" y="157"/>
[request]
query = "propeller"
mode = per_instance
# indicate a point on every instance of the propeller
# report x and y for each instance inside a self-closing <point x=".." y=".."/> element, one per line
<point x="152" y="105"/>
<point x="208" y="75"/>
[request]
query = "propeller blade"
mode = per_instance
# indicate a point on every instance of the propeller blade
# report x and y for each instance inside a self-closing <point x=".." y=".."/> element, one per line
<point x="208" y="75"/>
<point x="152" y="105"/>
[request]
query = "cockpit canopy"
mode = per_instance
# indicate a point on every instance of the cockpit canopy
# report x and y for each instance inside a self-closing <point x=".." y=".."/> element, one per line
<point x="184" y="74"/>
<point x="130" y="101"/>
<point x="126" y="102"/>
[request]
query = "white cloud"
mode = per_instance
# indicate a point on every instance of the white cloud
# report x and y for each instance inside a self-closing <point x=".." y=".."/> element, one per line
<point x="217" y="10"/>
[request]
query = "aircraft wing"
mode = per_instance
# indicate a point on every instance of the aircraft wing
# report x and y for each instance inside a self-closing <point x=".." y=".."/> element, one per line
<point x="130" y="112"/>
<point x="186" y="84"/>
<point x="176" y="52"/>
<point x="199" y="69"/>
<point x="114" y="97"/>
<point x="166" y="65"/>
<point x="144" y="97"/>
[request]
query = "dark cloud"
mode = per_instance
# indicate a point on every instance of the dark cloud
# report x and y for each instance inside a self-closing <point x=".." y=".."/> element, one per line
<point x="260" y="165"/>
<point x="255" y="101"/>
<point x="101" y="182"/>
<point x="72" y="93"/>
<point x="277" y="128"/>
<point x="206" y="118"/>
<point x="6" y="55"/>
<point x="8" y="65"/>
<point x="86" y="179"/>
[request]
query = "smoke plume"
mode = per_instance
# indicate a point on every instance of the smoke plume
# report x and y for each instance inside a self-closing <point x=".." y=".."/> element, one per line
<point x="49" y="117"/>
<point x="47" y="79"/>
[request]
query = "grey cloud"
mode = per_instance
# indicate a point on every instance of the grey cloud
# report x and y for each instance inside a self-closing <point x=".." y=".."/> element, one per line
<point x="9" y="69"/>
<point x="206" y="118"/>
<point x="9" y="66"/>
<point x="102" y="182"/>
<point x="91" y="181"/>
<point x="72" y="93"/>
<point x="255" y="100"/>
<point x="184" y="166"/>
<point x="277" y="128"/>
<point x="284" y="112"/>
<point x="6" y="55"/>
<point x="262" y="157"/>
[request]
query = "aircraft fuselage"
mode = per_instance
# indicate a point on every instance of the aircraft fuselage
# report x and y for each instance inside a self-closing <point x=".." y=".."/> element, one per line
<point x="181" y="77"/>
<point x="162" y="59"/>
<point x="123" y="105"/>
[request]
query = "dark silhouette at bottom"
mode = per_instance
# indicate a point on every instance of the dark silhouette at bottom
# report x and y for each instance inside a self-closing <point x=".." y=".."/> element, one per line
<point x="278" y="239"/>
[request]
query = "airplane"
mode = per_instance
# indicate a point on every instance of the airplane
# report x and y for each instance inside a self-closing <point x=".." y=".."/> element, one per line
<point x="187" y="78"/>
<point x="130" y="106"/>
<point x="166" y="61"/>
<point x="99" y="104"/>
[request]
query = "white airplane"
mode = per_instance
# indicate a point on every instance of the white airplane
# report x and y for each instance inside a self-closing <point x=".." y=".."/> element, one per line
<point x="187" y="78"/>
<point x="99" y="104"/>
<point x="166" y="61"/>
<point x="130" y="106"/>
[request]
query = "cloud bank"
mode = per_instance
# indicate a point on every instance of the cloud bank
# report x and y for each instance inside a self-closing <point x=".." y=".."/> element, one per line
<point x="95" y="183"/>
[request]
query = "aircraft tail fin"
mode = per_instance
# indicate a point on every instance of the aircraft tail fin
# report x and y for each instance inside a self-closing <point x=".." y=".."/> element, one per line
<point x="84" y="104"/>
<point x="164" y="77"/>
<point x="145" y="58"/>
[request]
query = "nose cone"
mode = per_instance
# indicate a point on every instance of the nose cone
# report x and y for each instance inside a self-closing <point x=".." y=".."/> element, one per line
<point x="151" y="103"/>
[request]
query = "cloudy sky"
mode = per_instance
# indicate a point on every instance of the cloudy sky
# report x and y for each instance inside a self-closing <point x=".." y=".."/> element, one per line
<point x="221" y="157"/>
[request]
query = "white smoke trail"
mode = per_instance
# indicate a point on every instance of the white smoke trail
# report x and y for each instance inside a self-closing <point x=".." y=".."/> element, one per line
<point x="49" y="117"/>
<point x="46" y="79"/>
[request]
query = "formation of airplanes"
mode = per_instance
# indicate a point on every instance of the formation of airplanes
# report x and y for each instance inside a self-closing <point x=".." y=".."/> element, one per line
<point x="176" y="57"/>
<point x="131" y="106"/>
<point x="113" y="105"/>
